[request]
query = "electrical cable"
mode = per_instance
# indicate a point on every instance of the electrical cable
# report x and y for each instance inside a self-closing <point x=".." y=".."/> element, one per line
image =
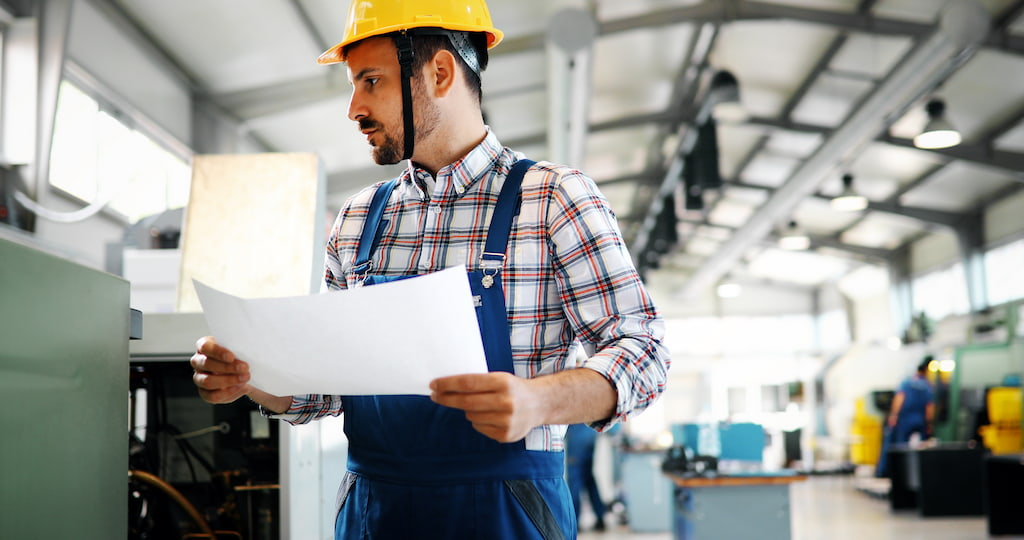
<point x="62" y="217"/>
<point x="222" y="427"/>
<point x="176" y="496"/>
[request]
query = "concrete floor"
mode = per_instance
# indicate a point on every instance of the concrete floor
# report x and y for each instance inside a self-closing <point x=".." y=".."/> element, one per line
<point x="830" y="508"/>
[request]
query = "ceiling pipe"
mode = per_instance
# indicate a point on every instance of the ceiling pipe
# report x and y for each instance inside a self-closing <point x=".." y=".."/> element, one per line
<point x="962" y="26"/>
<point x="686" y="136"/>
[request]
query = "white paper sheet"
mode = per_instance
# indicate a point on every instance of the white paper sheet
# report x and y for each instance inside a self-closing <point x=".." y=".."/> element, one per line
<point x="392" y="338"/>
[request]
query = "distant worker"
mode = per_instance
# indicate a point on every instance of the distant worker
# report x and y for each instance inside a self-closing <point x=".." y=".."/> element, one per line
<point x="912" y="411"/>
<point x="580" y="441"/>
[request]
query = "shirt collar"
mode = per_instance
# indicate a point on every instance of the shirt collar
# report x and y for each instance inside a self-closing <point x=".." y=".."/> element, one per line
<point x="466" y="171"/>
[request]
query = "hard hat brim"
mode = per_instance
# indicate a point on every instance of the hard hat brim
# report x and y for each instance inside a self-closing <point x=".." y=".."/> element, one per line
<point x="334" y="56"/>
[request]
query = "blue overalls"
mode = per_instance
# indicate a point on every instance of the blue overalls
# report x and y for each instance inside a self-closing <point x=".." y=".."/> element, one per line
<point x="912" y="417"/>
<point x="417" y="470"/>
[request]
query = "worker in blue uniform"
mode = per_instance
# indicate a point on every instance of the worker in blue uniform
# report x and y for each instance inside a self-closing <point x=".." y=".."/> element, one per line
<point x="481" y="457"/>
<point x="580" y="442"/>
<point x="912" y="411"/>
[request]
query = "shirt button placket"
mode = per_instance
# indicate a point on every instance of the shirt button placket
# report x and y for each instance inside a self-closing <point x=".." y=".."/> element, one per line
<point x="429" y="248"/>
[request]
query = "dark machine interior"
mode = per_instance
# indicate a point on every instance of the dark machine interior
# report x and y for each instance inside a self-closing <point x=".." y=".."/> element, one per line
<point x="198" y="471"/>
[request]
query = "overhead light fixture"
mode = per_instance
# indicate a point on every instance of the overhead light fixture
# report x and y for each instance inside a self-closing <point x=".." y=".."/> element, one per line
<point x="729" y="288"/>
<point x="724" y="96"/>
<point x="793" y="238"/>
<point x="849" y="200"/>
<point x="937" y="132"/>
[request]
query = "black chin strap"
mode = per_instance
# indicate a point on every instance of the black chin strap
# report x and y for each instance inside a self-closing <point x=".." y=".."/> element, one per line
<point x="403" y="42"/>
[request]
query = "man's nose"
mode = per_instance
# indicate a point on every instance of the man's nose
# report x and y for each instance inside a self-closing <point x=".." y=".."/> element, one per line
<point x="356" y="110"/>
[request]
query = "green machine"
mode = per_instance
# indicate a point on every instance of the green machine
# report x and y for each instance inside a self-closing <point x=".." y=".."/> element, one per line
<point x="64" y="331"/>
<point x="977" y="368"/>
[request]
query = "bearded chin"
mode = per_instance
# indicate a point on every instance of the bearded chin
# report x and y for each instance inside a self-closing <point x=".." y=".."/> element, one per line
<point x="387" y="153"/>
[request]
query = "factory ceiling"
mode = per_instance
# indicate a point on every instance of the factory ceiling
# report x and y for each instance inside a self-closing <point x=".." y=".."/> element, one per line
<point x="828" y="88"/>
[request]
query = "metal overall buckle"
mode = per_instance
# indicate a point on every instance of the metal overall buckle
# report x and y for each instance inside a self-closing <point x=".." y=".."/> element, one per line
<point x="361" y="272"/>
<point x="491" y="267"/>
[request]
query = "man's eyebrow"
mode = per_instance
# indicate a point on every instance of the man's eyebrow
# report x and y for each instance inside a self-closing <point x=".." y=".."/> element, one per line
<point x="363" y="73"/>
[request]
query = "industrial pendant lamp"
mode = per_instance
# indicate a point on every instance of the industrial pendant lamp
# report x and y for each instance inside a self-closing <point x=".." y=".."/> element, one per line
<point x="793" y="238"/>
<point x="849" y="200"/>
<point x="728" y="288"/>
<point x="938" y="132"/>
<point x="724" y="95"/>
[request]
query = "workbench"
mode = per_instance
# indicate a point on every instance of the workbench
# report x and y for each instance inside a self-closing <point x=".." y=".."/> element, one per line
<point x="747" y="505"/>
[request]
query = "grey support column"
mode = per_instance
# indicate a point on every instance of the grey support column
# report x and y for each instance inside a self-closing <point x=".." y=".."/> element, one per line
<point x="970" y="236"/>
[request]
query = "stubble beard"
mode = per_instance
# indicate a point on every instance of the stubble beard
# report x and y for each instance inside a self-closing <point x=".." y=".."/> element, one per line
<point x="425" y="119"/>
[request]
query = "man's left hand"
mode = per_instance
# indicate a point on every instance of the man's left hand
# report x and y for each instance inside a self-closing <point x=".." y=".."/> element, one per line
<point x="499" y="405"/>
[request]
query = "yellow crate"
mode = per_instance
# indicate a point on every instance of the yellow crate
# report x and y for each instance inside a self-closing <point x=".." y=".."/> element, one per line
<point x="1004" y="405"/>
<point x="1002" y="439"/>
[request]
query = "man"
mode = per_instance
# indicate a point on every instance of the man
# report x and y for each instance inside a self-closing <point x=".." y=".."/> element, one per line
<point x="912" y="411"/>
<point x="913" y="406"/>
<point x="482" y="456"/>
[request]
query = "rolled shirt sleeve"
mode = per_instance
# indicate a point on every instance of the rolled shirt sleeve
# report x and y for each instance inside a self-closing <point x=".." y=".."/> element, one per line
<point x="603" y="297"/>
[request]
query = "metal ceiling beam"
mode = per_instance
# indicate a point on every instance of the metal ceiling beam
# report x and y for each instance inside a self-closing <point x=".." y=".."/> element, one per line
<point x="1001" y="38"/>
<point x="961" y="28"/>
<point x="980" y="154"/>
<point x="255" y="103"/>
<point x="18" y="8"/>
<point x="874" y="254"/>
<point x="787" y="110"/>
<point x="262" y="100"/>
<point x="819" y="67"/>
<point x="307" y="22"/>
<point x="721" y="11"/>
<point x="924" y="215"/>
<point x="148" y="43"/>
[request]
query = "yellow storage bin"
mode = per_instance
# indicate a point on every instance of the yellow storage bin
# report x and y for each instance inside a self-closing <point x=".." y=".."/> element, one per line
<point x="1004" y="405"/>
<point x="865" y="436"/>
<point x="1003" y="435"/>
<point x="1002" y="439"/>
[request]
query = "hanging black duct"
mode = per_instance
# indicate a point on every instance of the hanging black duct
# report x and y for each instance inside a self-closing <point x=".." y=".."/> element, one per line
<point x="703" y="159"/>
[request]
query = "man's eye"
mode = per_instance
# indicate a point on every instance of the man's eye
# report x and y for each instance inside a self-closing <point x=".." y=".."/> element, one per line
<point x="371" y="82"/>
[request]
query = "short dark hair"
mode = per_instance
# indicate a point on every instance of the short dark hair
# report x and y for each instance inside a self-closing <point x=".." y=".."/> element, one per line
<point x="923" y="366"/>
<point x="426" y="46"/>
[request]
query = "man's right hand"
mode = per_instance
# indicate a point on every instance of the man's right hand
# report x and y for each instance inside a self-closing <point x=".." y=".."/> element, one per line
<point x="220" y="376"/>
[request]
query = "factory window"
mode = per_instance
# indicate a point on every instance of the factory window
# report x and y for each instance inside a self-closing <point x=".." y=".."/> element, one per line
<point x="1002" y="272"/>
<point x="833" y="330"/>
<point x="741" y="335"/>
<point x="97" y="157"/>
<point x="941" y="292"/>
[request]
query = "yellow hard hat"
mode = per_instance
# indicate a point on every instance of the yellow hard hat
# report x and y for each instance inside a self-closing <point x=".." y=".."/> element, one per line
<point x="368" y="18"/>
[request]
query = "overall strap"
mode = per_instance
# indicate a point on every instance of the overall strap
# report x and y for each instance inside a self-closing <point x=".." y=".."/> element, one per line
<point x="369" y="238"/>
<point x="504" y="213"/>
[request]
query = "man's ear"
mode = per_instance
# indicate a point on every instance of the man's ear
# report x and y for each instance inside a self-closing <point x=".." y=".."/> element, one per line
<point x="441" y="72"/>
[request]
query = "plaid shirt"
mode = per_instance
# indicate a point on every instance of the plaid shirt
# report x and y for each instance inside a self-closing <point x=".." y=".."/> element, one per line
<point x="567" y="278"/>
